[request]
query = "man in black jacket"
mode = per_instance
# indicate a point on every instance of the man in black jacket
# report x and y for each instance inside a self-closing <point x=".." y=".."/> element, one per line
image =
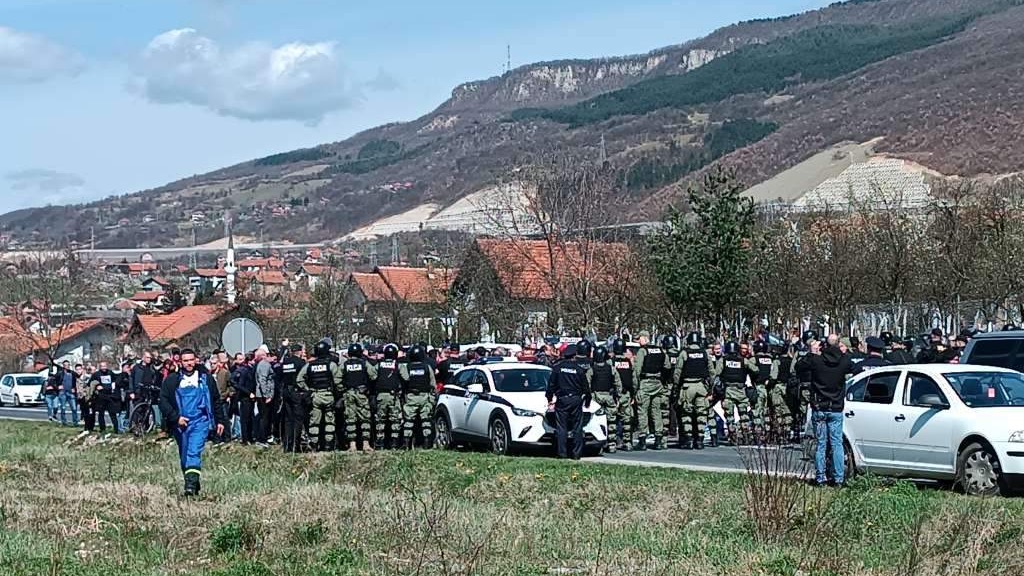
<point x="244" y="382"/>
<point x="190" y="400"/>
<point x="568" y="393"/>
<point x="828" y="367"/>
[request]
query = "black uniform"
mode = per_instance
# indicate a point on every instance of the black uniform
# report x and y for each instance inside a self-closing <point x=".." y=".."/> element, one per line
<point x="294" y="408"/>
<point x="870" y="363"/>
<point x="568" y="384"/>
<point x="106" y="398"/>
<point x="447" y="368"/>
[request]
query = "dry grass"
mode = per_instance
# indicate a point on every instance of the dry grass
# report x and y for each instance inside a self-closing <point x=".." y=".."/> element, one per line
<point x="114" y="509"/>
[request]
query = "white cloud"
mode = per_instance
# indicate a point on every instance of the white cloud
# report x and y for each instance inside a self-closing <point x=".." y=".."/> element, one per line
<point x="38" y="187"/>
<point x="254" y="81"/>
<point x="27" y="58"/>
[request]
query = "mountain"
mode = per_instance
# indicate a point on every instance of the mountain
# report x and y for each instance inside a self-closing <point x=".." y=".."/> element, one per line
<point x="939" y="82"/>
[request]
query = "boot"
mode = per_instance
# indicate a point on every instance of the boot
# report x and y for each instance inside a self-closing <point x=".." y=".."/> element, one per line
<point x="191" y="483"/>
<point x="698" y="442"/>
<point x="641" y="443"/>
<point x="685" y="443"/>
<point x="367" y="446"/>
<point x="626" y="446"/>
<point x="428" y="441"/>
<point x="610" y="448"/>
<point x="407" y="442"/>
<point x="658" y="444"/>
<point x="714" y="440"/>
<point x="352" y="446"/>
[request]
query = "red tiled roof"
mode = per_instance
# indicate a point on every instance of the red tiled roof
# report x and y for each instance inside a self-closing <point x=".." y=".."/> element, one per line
<point x="160" y="280"/>
<point x="313" y="269"/>
<point x="418" y="285"/>
<point x="13" y="338"/>
<point x="266" y="277"/>
<point x="524" y="266"/>
<point x="66" y="332"/>
<point x="142" y="266"/>
<point x="181" y="322"/>
<point x="211" y="273"/>
<point x="181" y="268"/>
<point x="373" y="287"/>
<point x="274" y="263"/>
<point x="147" y="296"/>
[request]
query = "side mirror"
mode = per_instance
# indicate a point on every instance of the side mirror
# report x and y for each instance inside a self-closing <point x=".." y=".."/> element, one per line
<point x="932" y="401"/>
<point x="475" y="388"/>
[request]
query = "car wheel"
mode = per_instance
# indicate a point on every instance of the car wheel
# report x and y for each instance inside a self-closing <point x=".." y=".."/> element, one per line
<point x="443" y="432"/>
<point x="499" y="435"/>
<point x="978" y="471"/>
<point x="849" y="462"/>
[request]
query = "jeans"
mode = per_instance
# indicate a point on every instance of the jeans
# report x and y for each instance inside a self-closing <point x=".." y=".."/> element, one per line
<point x="52" y="403"/>
<point x="68" y="399"/>
<point x="828" y="427"/>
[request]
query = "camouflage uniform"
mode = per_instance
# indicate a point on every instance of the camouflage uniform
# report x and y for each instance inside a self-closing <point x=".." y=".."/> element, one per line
<point x="692" y="372"/>
<point x="734" y="370"/>
<point x="320" y="379"/>
<point x="358" y="376"/>
<point x="626" y="408"/>
<point x="606" y="386"/>
<point x="420" y="397"/>
<point x="388" y="392"/>
<point x="650" y="363"/>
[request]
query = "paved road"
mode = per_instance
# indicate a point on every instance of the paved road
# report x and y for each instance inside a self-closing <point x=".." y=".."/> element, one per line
<point x="786" y="459"/>
<point x="35" y="413"/>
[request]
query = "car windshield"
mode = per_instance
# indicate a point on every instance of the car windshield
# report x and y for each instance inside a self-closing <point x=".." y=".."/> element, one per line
<point x="986" y="389"/>
<point x="523" y="380"/>
<point x="31" y="381"/>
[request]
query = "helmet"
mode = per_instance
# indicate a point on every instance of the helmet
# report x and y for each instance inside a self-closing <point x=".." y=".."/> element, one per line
<point x="760" y="347"/>
<point x="322" y="349"/>
<point x="583" y="348"/>
<point x="355" y="350"/>
<point x="886" y="337"/>
<point x="669" y="342"/>
<point x="416" y="353"/>
<point x="693" y="339"/>
<point x="731" y="349"/>
<point x="619" y="346"/>
<point x="600" y="354"/>
<point x="1010" y="326"/>
<point x="809" y="335"/>
<point x="390" y="352"/>
<point x="802" y="349"/>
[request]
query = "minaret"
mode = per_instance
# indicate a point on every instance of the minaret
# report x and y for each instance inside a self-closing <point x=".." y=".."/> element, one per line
<point x="229" y="266"/>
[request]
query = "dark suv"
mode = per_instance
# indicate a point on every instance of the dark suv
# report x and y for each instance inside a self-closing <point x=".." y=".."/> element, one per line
<point x="1001" y="349"/>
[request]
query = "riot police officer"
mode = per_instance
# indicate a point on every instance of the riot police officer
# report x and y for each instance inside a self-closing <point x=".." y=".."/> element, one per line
<point x="627" y="399"/>
<point x="778" y="407"/>
<point x="388" y="404"/>
<point x="568" y="394"/>
<point x="320" y="379"/>
<point x="651" y="361"/>
<point x="799" y="392"/>
<point x="293" y="401"/>
<point x="358" y="377"/>
<point x="420" y="396"/>
<point x="733" y="370"/>
<point x="692" y="373"/>
<point x="766" y="378"/>
<point x="584" y="350"/>
<point x="876" y="347"/>
<point x="606" y="387"/>
<point x="669" y="411"/>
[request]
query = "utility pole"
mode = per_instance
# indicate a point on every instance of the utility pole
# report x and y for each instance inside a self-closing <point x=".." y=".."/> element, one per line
<point x="604" y="150"/>
<point x="373" y="255"/>
<point x="192" y="261"/>
<point x="394" y="249"/>
<point x="508" y="58"/>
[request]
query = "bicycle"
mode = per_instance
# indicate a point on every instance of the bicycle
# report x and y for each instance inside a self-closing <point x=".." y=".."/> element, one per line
<point x="142" y="418"/>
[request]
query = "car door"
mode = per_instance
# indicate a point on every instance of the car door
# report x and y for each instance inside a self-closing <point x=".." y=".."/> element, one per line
<point x="456" y="405"/>
<point x="924" y="435"/>
<point x="6" y="389"/>
<point x="478" y="406"/>
<point x="869" y="417"/>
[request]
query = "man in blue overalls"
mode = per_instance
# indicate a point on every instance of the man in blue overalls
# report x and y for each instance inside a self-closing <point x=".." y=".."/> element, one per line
<point x="190" y="402"/>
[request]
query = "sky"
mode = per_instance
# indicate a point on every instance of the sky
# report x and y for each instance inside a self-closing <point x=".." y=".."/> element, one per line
<point x="104" y="97"/>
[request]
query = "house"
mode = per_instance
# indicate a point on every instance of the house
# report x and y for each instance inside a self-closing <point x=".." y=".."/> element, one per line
<point x="515" y="283"/>
<point x="309" y="275"/>
<point x="76" y="341"/>
<point x="198" y="327"/>
<point x="156" y="284"/>
<point x="401" y="301"/>
<point x="150" y="299"/>
<point x="263" y="283"/>
<point x="140" y="269"/>
<point x="258" y="264"/>
<point x="214" y="278"/>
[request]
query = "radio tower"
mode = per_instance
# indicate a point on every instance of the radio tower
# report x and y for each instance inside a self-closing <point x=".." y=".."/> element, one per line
<point x="192" y="263"/>
<point x="508" y="58"/>
<point x="394" y="249"/>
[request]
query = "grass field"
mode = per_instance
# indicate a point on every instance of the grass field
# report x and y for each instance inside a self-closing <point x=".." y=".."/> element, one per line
<point x="114" y="509"/>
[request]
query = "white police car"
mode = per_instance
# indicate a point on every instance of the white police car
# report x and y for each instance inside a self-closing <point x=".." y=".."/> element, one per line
<point x="502" y="405"/>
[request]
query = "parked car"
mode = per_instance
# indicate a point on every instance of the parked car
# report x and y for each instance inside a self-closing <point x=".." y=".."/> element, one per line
<point x="957" y="423"/>
<point x="503" y="406"/>
<point x="21" y="389"/>
<point x="1001" y="349"/>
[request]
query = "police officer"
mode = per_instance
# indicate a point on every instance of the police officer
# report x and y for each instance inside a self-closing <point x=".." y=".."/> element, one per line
<point x="584" y="350"/>
<point x="419" y="397"/>
<point x="733" y="371"/>
<point x="669" y="411"/>
<point x="692" y="372"/>
<point x="320" y="379"/>
<point x="447" y="368"/>
<point x="651" y="362"/>
<point x="606" y="386"/>
<point x="358" y="377"/>
<point x="294" y="402"/>
<point x="767" y="376"/>
<point x="627" y="399"/>
<point x="778" y="409"/>
<point x="106" y="396"/>
<point x="388" y="392"/>
<point x="800" y="394"/>
<point x="568" y="393"/>
<point x="875" y="358"/>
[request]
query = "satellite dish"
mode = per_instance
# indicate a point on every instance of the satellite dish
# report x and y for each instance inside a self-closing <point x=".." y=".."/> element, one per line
<point x="241" y="335"/>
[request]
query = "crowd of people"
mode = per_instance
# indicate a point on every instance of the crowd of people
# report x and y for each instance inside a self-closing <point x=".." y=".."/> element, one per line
<point x="746" y="391"/>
